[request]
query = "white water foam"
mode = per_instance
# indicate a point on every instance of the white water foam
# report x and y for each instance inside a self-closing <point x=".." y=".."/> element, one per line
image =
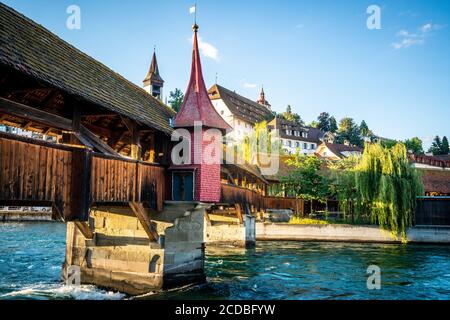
<point x="58" y="291"/>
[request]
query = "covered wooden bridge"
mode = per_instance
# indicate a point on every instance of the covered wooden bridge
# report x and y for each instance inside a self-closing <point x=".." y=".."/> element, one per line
<point x="87" y="135"/>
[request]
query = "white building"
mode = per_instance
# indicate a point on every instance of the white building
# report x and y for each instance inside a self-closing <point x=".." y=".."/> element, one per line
<point x="335" y="151"/>
<point x="294" y="136"/>
<point x="239" y="112"/>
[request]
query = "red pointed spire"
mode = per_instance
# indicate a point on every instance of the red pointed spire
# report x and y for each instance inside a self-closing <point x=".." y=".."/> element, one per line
<point x="196" y="105"/>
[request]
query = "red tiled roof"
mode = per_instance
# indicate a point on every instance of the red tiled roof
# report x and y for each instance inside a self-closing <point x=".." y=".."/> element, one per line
<point x="436" y="181"/>
<point x="196" y="105"/>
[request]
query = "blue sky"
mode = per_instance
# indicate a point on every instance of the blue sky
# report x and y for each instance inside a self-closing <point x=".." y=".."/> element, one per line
<point x="314" y="55"/>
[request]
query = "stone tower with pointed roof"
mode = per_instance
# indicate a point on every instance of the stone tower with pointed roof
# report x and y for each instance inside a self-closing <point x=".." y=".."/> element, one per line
<point x="199" y="180"/>
<point x="153" y="83"/>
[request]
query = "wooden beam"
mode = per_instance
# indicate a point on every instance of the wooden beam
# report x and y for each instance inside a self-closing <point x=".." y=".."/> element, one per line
<point x="82" y="140"/>
<point x="56" y="213"/>
<point x="96" y="142"/>
<point x="134" y="130"/>
<point x="239" y="213"/>
<point x="76" y="120"/>
<point x="207" y="218"/>
<point x="115" y="139"/>
<point x="96" y="116"/>
<point x="49" y="98"/>
<point x="144" y="219"/>
<point x="98" y="130"/>
<point x="35" y="115"/>
<point x="85" y="229"/>
<point x="128" y="123"/>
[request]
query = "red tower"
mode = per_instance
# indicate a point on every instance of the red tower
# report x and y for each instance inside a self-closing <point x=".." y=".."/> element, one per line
<point x="199" y="180"/>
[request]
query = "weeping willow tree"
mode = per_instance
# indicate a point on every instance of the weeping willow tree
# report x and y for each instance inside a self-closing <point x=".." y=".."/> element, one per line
<point x="388" y="186"/>
<point x="383" y="185"/>
<point x="260" y="140"/>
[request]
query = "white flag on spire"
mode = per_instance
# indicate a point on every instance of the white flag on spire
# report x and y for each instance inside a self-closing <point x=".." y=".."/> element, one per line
<point x="192" y="9"/>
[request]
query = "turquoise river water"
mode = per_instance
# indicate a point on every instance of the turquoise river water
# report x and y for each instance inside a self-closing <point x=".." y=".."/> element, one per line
<point x="31" y="255"/>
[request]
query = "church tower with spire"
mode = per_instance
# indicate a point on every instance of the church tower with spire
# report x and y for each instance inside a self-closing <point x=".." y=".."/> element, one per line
<point x="262" y="99"/>
<point x="199" y="180"/>
<point x="153" y="83"/>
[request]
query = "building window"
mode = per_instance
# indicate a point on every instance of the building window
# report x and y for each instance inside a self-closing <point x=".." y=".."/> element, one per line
<point x="289" y="132"/>
<point x="313" y="146"/>
<point x="289" y="143"/>
<point x="297" y="144"/>
<point x="305" y="146"/>
<point x="304" y="135"/>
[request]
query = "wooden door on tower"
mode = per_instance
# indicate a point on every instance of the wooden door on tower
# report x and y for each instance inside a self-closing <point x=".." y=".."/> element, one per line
<point x="183" y="186"/>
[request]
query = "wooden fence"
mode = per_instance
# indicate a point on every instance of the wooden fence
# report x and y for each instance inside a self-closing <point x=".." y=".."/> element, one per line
<point x="433" y="211"/>
<point x="117" y="180"/>
<point x="70" y="179"/>
<point x="233" y="194"/>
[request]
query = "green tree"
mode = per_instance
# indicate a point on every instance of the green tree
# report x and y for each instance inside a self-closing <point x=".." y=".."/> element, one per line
<point x="304" y="181"/>
<point x="314" y="124"/>
<point x="259" y="141"/>
<point x="291" y="116"/>
<point x="176" y="99"/>
<point x="324" y="121"/>
<point x="436" y="146"/>
<point x="383" y="185"/>
<point x="349" y="131"/>
<point x="364" y="129"/>
<point x="444" y="146"/>
<point x="414" y="145"/>
<point x="333" y="124"/>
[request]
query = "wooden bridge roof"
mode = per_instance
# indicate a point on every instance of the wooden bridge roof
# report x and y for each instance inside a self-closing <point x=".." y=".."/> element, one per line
<point x="29" y="48"/>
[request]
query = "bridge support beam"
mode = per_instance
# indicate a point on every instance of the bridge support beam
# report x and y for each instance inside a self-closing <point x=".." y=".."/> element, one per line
<point x="124" y="256"/>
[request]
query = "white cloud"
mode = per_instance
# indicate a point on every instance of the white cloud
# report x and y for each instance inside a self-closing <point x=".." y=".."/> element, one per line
<point x="408" y="42"/>
<point x="426" y="27"/>
<point x="402" y="33"/>
<point x="249" y="85"/>
<point x="207" y="49"/>
<point x="410" y="39"/>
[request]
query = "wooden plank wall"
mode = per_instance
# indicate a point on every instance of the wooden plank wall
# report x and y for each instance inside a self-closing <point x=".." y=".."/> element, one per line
<point x="113" y="180"/>
<point x="41" y="173"/>
<point x="153" y="185"/>
<point x="298" y="205"/>
<point x="34" y="172"/>
<point x="232" y="194"/>
<point x="122" y="181"/>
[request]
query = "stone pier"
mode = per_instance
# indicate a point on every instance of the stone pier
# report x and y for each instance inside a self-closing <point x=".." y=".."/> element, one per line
<point x="222" y="230"/>
<point x="119" y="255"/>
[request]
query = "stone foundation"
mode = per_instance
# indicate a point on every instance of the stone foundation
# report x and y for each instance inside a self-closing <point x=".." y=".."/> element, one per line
<point x="122" y="257"/>
<point x="226" y="231"/>
<point x="348" y="233"/>
<point x="25" y="216"/>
